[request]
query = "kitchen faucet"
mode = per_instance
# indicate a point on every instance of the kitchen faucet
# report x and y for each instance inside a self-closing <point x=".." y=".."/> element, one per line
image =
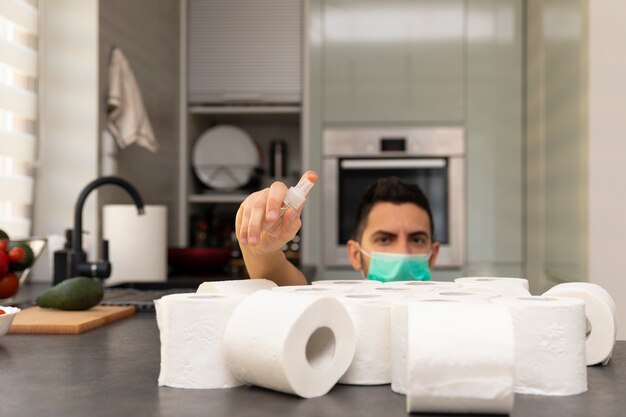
<point x="73" y="262"/>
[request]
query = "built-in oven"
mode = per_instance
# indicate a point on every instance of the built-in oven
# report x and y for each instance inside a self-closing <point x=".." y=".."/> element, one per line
<point x="432" y="157"/>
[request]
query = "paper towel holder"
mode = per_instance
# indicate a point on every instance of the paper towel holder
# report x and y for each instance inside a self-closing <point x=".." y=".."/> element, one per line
<point x="73" y="262"/>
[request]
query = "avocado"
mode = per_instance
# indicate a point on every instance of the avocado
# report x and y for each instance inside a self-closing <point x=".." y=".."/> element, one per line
<point x="79" y="293"/>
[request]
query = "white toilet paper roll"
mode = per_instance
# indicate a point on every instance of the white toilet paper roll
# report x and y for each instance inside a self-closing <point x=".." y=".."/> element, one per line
<point x="137" y="243"/>
<point x="549" y="344"/>
<point x="389" y="291"/>
<point x="422" y="285"/>
<point x="353" y="284"/>
<point x="191" y="327"/>
<point x="601" y="314"/>
<point x="399" y="333"/>
<point x="512" y="287"/>
<point x="523" y="282"/>
<point x="296" y="344"/>
<point x="460" y="358"/>
<point x="237" y="286"/>
<point x="370" y="314"/>
<point x="314" y="290"/>
<point x="471" y="293"/>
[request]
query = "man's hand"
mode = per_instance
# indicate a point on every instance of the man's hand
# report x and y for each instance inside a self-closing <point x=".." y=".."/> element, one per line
<point x="257" y="213"/>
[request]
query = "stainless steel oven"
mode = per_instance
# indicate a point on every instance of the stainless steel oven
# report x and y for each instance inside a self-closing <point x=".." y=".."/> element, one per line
<point x="432" y="157"/>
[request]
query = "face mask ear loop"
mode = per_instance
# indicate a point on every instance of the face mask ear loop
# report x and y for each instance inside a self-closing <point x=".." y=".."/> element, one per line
<point x="362" y="252"/>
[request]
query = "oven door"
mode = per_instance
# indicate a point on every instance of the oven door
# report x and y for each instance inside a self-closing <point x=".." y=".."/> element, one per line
<point x="441" y="179"/>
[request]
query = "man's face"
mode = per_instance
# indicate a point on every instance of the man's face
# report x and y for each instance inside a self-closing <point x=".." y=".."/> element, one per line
<point x="394" y="228"/>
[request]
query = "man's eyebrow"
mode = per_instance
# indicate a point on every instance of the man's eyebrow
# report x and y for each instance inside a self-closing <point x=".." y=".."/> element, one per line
<point x="384" y="232"/>
<point x="419" y="233"/>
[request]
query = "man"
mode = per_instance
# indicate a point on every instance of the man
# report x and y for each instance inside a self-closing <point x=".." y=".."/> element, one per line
<point x="393" y="237"/>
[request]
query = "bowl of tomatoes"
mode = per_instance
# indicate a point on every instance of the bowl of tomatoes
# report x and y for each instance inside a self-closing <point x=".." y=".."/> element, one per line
<point x="17" y="256"/>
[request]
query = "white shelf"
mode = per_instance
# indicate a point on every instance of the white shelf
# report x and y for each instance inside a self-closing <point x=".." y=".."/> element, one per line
<point x="217" y="198"/>
<point x="293" y="109"/>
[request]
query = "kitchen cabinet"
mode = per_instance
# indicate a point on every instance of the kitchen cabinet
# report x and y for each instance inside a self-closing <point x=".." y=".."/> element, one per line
<point x="393" y="61"/>
<point x="264" y="124"/>
<point x="242" y="67"/>
<point x="494" y="125"/>
<point x="244" y="51"/>
<point x="421" y="63"/>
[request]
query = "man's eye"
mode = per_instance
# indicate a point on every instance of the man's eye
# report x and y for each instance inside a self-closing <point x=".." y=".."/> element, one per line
<point x="420" y="240"/>
<point x="383" y="239"/>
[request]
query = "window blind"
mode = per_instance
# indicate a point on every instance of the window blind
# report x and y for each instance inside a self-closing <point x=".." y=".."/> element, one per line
<point x="18" y="113"/>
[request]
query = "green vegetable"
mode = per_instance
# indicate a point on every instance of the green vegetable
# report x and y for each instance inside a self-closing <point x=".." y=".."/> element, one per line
<point x="79" y="293"/>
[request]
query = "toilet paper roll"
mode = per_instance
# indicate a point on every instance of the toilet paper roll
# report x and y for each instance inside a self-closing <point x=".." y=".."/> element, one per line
<point x="191" y="327"/>
<point x="469" y="292"/>
<point x="601" y="314"/>
<point x="512" y="287"/>
<point x="549" y="344"/>
<point x="423" y="285"/>
<point x="460" y="358"/>
<point x="399" y="333"/>
<point x="297" y="344"/>
<point x="390" y="291"/>
<point x="313" y="290"/>
<point x="237" y="286"/>
<point x="137" y="243"/>
<point x="352" y="284"/>
<point x="370" y="314"/>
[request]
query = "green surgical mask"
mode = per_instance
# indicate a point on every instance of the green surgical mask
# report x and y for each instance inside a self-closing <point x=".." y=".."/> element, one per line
<point x="386" y="267"/>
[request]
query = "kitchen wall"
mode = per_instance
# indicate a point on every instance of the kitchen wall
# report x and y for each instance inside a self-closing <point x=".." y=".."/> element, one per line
<point x="148" y="32"/>
<point x="576" y="79"/>
<point x="556" y="142"/>
<point x="68" y="157"/>
<point x="607" y="150"/>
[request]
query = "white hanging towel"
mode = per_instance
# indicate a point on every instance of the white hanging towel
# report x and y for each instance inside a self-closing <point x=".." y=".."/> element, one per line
<point x="127" y="119"/>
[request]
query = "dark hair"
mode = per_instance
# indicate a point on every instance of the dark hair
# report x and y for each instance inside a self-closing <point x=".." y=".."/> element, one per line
<point x="390" y="190"/>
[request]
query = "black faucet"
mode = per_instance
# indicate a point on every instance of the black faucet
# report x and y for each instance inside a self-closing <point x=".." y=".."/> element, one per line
<point x="73" y="262"/>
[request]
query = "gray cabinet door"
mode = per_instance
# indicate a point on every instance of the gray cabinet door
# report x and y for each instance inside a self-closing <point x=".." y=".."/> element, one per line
<point x="393" y="61"/>
<point x="246" y="51"/>
<point x="494" y="129"/>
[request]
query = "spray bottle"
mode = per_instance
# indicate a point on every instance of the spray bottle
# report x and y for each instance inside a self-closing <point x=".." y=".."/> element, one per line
<point x="295" y="198"/>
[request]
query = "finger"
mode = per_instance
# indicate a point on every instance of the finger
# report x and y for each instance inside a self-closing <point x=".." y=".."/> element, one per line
<point x="275" y="198"/>
<point x="238" y="218"/>
<point x="257" y="215"/>
<point x="311" y="176"/>
<point x="244" y="213"/>
<point x="291" y="224"/>
<point x="243" y="216"/>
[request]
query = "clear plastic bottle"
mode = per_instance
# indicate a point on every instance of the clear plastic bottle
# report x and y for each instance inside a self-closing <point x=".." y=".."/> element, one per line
<point x="295" y="198"/>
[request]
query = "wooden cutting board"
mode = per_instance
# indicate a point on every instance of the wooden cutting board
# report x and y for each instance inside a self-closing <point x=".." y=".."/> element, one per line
<point x="36" y="320"/>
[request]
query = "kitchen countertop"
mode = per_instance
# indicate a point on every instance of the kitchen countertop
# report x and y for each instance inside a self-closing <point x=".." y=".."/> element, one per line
<point x="113" y="371"/>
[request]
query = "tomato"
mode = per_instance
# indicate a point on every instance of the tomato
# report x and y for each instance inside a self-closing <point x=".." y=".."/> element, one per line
<point x="17" y="254"/>
<point x="4" y="263"/>
<point x="4" y="244"/>
<point x="1" y="312"/>
<point x="9" y="284"/>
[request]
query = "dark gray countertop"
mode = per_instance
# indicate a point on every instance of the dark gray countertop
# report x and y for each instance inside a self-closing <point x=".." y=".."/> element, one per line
<point x="113" y="371"/>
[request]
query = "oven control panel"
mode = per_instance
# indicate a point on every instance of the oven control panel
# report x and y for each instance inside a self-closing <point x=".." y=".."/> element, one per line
<point x="422" y="141"/>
